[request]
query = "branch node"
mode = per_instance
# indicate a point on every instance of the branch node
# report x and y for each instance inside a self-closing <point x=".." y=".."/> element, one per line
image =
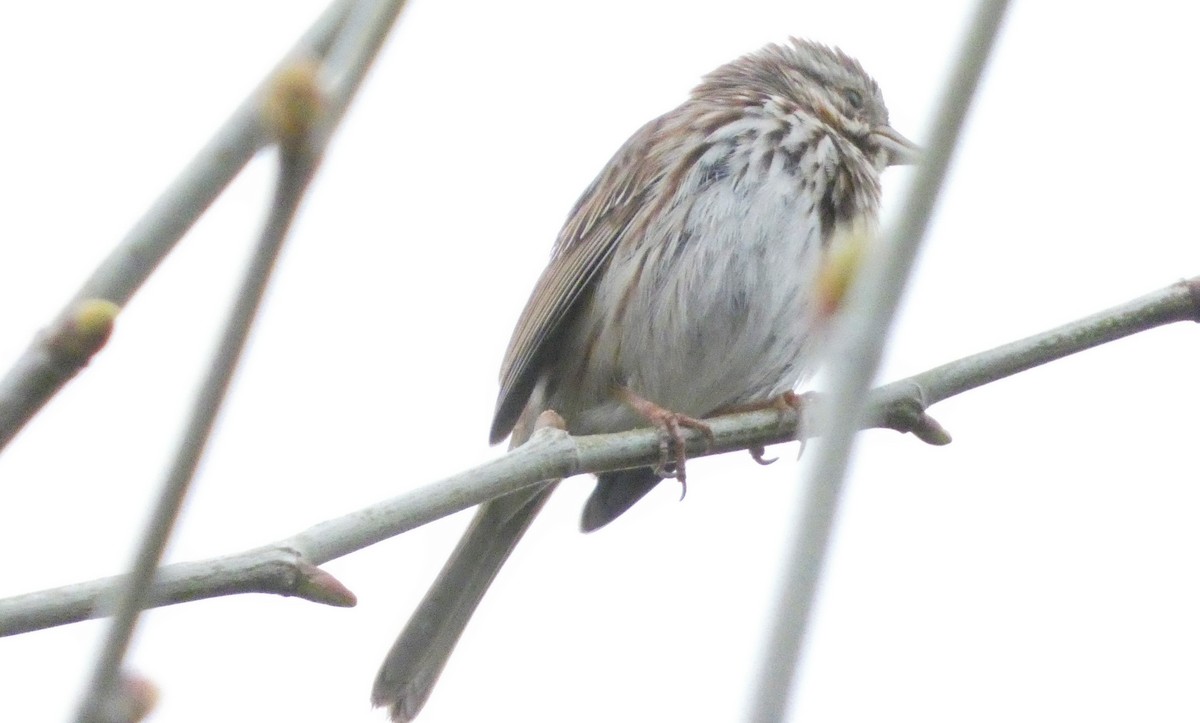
<point x="82" y="332"/>
<point x="317" y="585"/>
<point x="841" y="266"/>
<point x="550" y="432"/>
<point x="136" y="698"/>
<point x="907" y="414"/>
<point x="294" y="104"/>
<point x="550" y="418"/>
<point x="930" y="431"/>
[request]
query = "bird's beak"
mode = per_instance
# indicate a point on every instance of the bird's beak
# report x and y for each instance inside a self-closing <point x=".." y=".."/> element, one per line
<point x="900" y="151"/>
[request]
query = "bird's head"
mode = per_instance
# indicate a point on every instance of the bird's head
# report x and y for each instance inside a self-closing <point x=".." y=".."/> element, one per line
<point x="821" y="82"/>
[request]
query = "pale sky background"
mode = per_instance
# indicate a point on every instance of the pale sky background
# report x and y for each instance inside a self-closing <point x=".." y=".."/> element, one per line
<point x="1041" y="568"/>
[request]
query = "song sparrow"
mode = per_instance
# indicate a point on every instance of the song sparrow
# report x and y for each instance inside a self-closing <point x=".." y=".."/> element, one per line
<point x="682" y="285"/>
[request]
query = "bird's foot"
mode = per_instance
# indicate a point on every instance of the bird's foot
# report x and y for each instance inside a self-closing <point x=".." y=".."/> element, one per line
<point x="671" y="444"/>
<point x="787" y="402"/>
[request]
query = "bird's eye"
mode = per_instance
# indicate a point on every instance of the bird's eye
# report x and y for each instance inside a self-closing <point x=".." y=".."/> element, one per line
<point x="854" y="98"/>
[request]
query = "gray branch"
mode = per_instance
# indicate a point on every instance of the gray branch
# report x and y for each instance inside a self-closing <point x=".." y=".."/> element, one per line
<point x="857" y="345"/>
<point x="44" y="368"/>
<point x="298" y="108"/>
<point x="289" y="566"/>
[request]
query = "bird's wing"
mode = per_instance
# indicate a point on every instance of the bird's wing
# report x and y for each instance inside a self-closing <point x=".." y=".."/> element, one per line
<point x="607" y="212"/>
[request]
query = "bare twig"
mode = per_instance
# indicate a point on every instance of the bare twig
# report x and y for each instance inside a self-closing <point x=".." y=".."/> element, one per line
<point x="288" y="567"/>
<point x="101" y="701"/>
<point x="39" y="373"/>
<point x="299" y="119"/>
<point x="857" y="346"/>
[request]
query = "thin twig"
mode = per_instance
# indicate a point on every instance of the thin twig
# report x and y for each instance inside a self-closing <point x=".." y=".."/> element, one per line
<point x="288" y="567"/>
<point x="857" y="345"/>
<point x="40" y="372"/>
<point x="135" y="587"/>
<point x="295" y="112"/>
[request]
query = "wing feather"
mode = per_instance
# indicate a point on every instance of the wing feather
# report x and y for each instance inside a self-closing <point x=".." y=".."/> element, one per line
<point x="602" y="217"/>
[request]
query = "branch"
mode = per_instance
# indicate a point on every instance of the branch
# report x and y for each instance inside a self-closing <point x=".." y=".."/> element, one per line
<point x="300" y="116"/>
<point x="288" y="567"/>
<point x="42" y="368"/>
<point x="856" y="346"/>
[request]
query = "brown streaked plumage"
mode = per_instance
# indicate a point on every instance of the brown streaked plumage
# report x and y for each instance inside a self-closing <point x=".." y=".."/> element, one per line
<point x="684" y="277"/>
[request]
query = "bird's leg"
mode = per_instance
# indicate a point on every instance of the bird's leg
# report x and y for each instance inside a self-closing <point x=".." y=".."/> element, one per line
<point x="788" y="401"/>
<point x="669" y="434"/>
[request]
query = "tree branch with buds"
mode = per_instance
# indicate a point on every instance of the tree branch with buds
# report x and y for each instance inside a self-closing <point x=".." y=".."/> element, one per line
<point x="290" y="566"/>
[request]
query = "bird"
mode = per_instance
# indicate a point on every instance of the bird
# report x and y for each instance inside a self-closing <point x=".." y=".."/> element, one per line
<point x="684" y="284"/>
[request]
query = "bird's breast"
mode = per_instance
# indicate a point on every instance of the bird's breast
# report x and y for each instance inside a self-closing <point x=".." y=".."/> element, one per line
<point x="714" y="302"/>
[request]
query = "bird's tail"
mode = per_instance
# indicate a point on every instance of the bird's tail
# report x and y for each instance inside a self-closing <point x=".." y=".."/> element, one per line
<point x="415" y="661"/>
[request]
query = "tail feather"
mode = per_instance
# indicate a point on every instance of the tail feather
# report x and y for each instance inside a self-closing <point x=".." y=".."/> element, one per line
<point x="419" y="654"/>
<point x="616" y="492"/>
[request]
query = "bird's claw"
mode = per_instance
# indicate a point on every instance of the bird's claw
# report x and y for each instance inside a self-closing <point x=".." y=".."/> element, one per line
<point x="671" y="444"/>
<point x="758" y="452"/>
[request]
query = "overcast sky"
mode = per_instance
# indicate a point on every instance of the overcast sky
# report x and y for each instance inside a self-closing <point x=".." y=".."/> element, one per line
<point x="1041" y="568"/>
